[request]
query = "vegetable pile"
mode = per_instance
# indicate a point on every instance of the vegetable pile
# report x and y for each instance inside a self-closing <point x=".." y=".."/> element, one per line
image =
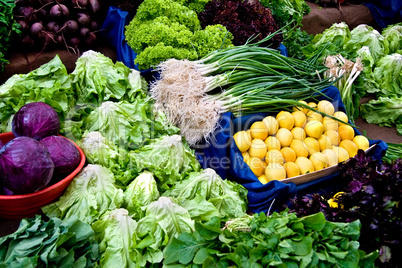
<point x="289" y="144"/>
<point x="48" y="25"/>
<point x="371" y="64"/>
<point x="36" y="157"/>
<point x="278" y="240"/>
<point x="164" y="29"/>
<point x="50" y="243"/>
<point x="244" y="19"/>
<point x="369" y="191"/>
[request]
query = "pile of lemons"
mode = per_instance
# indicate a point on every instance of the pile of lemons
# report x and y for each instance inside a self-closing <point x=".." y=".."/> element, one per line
<point x="298" y="142"/>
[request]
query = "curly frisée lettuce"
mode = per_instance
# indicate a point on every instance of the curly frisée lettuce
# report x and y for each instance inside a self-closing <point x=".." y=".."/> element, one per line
<point x="140" y="193"/>
<point x="89" y="196"/>
<point x="169" y="158"/>
<point x="116" y="233"/>
<point x="229" y="198"/>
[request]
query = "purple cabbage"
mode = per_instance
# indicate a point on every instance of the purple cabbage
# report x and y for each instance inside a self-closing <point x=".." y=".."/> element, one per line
<point x="64" y="154"/>
<point x="36" y="120"/>
<point x="25" y="165"/>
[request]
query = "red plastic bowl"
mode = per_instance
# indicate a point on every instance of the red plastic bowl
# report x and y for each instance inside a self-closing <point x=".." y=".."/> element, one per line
<point x="27" y="205"/>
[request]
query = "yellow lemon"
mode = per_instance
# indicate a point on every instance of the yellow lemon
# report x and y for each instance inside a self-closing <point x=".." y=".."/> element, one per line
<point x="289" y="155"/>
<point x="333" y="136"/>
<point x="329" y="124"/>
<point x="263" y="179"/>
<point x="361" y="142"/>
<point x="246" y="156"/>
<point x="314" y="116"/>
<point x="258" y="130"/>
<point x="350" y="146"/>
<point x="312" y="104"/>
<point x="284" y="136"/>
<point x="272" y="143"/>
<point x="325" y="106"/>
<point x="314" y="129"/>
<point x="299" y="118"/>
<point x="341" y="116"/>
<point x="332" y="157"/>
<point x="292" y="170"/>
<point x="299" y="147"/>
<point x="275" y="171"/>
<point x="341" y="153"/>
<point x="256" y="166"/>
<point x="346" y="132"/>
<point x="257" y="148"/>
<point x="249" y="135"/>
<point x="319" y="160"/>
<point x="305" y="165"/>
<point x="242" y="140"/>
<point x="285" y="120"/>
<point x="301" y="108"/>
<point x="312" y="145"/>
<point x="298" y="133"/>
<point x="324" y="142"/>
<point x="274" y="156"/>
<point x="272" y="124"/>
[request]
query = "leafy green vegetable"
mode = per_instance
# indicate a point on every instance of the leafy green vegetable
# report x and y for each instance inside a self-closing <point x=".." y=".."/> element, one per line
<point x="116" y="233"/>
<point x="164" y="220"/>
<point x="388" y="75"/>
<point x="394" y="152"/>
<point x="393" y="35"/>
<point x="90" y="195"/>
<point x="8" y="28"/>
<point x="288" y="14"/>
<point x="140" y="193"/>
<point x="162" y="30"/>
<point x="50" y="83"/>
<point x="364" y="35"/>
<point x="123" y="123"/>
<point x="229" y="198"/>
<point x="169" y="158"/>
<point x="279" y="240"/>
<point x="50" y="243"/>
<point x="177" y="12"/>
<point x="329" y="41"/>
<point x="384" y="111"/>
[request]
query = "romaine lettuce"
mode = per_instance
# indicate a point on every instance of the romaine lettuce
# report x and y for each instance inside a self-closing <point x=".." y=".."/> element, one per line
<point x="164" y="220"/>
<point x="90" y="195"/>
<point x="140" y="193"/>
<point x="116" y="233"/>
<point x="393" y="34"/>
<point x="388" y="75"/>
<point x="227" y="198"/>
<point x="169" y="158"/>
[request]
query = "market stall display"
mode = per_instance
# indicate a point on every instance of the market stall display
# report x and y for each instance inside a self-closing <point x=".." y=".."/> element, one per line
<point x="155" y="184"/>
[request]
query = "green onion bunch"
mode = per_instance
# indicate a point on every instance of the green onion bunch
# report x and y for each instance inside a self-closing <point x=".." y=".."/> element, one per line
<point x="241" y="79"/>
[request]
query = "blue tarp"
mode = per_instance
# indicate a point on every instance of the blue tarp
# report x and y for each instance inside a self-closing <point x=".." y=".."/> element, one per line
<point x="385" y="12"/>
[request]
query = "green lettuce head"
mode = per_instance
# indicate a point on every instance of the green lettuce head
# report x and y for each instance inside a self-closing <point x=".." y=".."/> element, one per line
<point x="393" y="35"/>
<point x="140" y="193"/>
<point x="229" y="198"/>
<point x="364" y="35"/>
<point x="116" y="233"/>
<point x="164" y="220"/>
<point x="169" y="158"/>
<point x="388" y="75"/>
<point x="91" y="194"/>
